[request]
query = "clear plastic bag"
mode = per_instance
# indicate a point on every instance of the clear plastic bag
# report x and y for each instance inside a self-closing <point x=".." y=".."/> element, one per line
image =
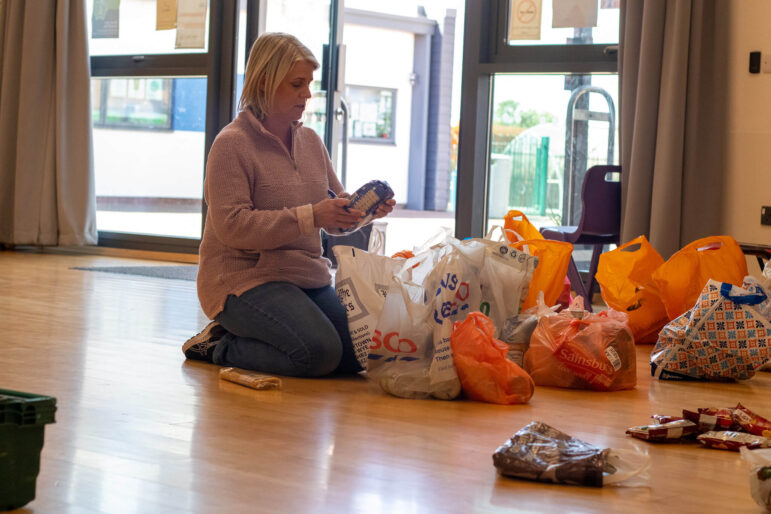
<point x="542" y="453"/>
<point x="759" y="475"/>
<point x="518" y="330"/>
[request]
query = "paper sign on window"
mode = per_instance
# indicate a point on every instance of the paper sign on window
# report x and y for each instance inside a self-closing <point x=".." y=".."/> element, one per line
<point x="105" y="19"/>
<point x="574" y="13"/>
<point x="166" y="14"/>
<point x="525" y="20"/>
<point x="191" y="24"/>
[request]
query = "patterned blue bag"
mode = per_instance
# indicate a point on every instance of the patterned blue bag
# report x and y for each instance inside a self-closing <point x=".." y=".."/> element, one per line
<point x="725" y="336"/>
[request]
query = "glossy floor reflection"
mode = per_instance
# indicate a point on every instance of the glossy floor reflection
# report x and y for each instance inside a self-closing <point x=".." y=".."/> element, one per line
<point x="140" y="430"/>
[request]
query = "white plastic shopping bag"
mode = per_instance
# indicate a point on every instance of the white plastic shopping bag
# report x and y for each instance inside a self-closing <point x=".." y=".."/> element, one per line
<point x="362" y="281"/>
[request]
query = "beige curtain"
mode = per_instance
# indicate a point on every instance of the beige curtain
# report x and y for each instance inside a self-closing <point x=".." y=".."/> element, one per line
<point x="672" y="64"/>
<point x="46" y="158"/>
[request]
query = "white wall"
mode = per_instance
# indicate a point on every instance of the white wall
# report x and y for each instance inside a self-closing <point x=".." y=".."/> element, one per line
<point x="368" y="50"/>
<point x="748" y="125"/>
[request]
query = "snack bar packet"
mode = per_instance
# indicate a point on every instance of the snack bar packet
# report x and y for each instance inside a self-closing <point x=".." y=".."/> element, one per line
<point x="731" y="440"/>
<point x="711" y="418"/>
<point x="751" y="422"/>
<point x="542" y="453"/>
<point x="760" y="475"/>
<point x="672" y="431"/>
<point x="663" y="418"/>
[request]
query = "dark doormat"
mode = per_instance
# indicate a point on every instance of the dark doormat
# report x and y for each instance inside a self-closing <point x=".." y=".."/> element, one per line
<point x="186" y="272"/>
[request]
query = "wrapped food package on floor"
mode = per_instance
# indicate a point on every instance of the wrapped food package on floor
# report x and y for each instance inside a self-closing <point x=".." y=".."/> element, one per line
<point x="671" y="431"/>
<point x="731" y="440"/>
<point x="542" y="453"/>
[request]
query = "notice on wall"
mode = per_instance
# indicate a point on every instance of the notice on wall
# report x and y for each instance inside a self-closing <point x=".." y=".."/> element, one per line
<point x="166" y="14"/>
<point x="574" y="13"/>
<point x="525" y="20"/>
<point x="191" y="24"/>
<point x="105" y="19"/>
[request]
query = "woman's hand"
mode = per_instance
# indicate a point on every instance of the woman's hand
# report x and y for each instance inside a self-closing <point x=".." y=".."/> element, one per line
<point x="331" y="213"/>
<point x="384" y="208"/>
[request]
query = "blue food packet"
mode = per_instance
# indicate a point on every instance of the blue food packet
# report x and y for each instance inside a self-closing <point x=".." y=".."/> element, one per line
<point x="367" y="199"/>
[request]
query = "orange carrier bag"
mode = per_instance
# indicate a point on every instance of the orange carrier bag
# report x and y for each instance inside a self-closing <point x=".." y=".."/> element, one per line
<point x="624" y="275"/>
<point x="516" y="222"/>
<point x="485" y="373"/>
<point x="549" y="275"/>
<point x="681" y="279"/>
<point x="580" y="350"/>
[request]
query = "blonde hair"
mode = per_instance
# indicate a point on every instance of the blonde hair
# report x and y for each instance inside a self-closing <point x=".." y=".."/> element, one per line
<point x="272" y="56"/>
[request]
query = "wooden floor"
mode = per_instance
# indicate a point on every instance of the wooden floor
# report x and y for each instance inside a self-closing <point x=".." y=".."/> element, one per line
<point x="140" y="430"/>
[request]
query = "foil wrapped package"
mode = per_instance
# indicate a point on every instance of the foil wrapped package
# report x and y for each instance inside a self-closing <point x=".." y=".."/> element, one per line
<point x="543" y="453"/>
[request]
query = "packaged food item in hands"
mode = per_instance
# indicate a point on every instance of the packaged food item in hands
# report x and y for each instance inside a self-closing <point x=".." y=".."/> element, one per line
<point x="671" y="431"/>
<point x="731" y="440"/>
<point x="760" y="475"/>
<point x="542" y="453"/>
<point x="367" y="199"/>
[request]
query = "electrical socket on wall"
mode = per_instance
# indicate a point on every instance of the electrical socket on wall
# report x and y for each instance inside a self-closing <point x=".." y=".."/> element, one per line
<point x="765" y="62"/>
<point x="765" y="215"/>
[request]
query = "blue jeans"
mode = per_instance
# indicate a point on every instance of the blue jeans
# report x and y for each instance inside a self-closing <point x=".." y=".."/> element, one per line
<point x="282" y="329"/>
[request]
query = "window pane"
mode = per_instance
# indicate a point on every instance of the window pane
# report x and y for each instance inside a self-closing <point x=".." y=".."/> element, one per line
<point x="148" y="154"/>
<point x="372" y="113"/>
<point x="531" y="138"/>
<point x="605" y="31"/>
<point x="308" y="20"/>
<point x="132" y="29"/>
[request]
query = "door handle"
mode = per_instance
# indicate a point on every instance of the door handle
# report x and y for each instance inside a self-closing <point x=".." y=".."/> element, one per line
<point x="342" y="114"/>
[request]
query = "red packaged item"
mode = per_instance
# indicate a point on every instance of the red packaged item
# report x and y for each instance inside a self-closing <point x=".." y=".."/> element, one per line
<point x="663" y="418"/>
<point x="672" y="431"/>
<point x="731" y="440"/>
<point x="751" y="422"/>
<point x="711" y="418"/>
<point x="581" y="350"/>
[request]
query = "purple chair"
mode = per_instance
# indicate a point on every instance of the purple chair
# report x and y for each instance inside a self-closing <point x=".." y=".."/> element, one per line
<point x="599" y="226"/>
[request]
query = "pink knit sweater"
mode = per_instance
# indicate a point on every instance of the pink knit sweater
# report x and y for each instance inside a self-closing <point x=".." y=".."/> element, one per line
<point x="259" y="225"/>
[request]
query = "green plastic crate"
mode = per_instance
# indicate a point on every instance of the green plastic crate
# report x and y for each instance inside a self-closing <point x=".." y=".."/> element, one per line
<point x="23" y="417"/>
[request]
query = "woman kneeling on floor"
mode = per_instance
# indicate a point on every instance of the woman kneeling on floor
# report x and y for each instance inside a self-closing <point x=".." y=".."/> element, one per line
<point x="261" y="277"/>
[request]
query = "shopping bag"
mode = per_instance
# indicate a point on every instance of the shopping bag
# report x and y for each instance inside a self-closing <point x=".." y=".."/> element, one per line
<point x="362" y="281"/>
<point x="518" y="228"/>
<point x="723" y="337"/>
<point x="681" y="279"/>
<point x="401" y="349"/>
<point x="624" y="275"/>
<point x="549" y="275"/>
<point x="504" y="278"/>
<point x="581" y="350"/>
<point x="435" y="288"/>
<point x="484" y="371"/>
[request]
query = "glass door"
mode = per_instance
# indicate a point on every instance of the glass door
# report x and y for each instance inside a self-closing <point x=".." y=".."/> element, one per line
<point x="316" y="23"/>
<point x="385" y="102"/>
<point x="162" y="87"/>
